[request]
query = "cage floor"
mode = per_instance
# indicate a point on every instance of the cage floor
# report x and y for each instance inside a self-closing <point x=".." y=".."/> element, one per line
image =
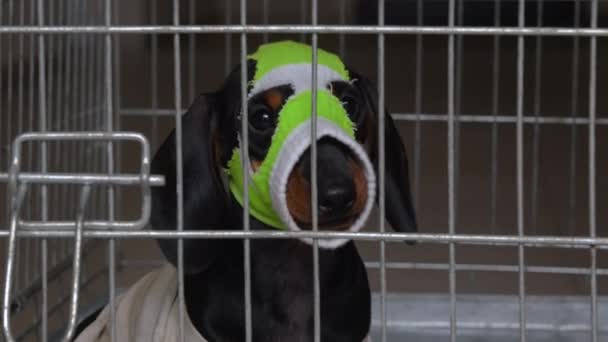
<point x="425" y="318"/>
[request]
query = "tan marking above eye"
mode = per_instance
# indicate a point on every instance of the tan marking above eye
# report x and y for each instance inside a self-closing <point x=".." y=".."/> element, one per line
<point x="274" y="99"/>
<point x="255" y="164"/>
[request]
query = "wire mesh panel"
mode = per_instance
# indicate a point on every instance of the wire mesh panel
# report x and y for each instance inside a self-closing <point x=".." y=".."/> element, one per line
<point x="499" y="105"/>
<point x="49" y="84"/>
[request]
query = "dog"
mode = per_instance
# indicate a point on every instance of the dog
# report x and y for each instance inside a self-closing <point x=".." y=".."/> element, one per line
<point x="281" y="269"/>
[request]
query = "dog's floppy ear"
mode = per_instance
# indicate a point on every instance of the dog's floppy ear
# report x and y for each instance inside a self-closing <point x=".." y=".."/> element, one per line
<point x="208" y="139"/>
<point x="399" y="208"/>
<point x="205" y="200"/>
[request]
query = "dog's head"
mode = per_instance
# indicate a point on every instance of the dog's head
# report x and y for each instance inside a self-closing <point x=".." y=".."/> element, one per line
<point x="278" y="115"/>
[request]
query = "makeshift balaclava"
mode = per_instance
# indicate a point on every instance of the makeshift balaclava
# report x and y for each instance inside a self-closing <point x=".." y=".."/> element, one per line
<point x="290" y="63"/>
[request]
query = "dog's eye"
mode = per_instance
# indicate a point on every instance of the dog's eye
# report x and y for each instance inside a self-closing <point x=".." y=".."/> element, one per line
<point x="351" y="106"/>
<point x="261" y="118"/>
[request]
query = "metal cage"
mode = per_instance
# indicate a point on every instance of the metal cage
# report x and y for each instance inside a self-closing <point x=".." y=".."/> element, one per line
<point x="499" y="103"/>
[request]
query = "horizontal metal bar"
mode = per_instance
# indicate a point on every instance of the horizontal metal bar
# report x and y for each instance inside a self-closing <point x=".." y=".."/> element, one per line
<point x="87" y="136"/>
<point x="146" y="112"/>
<point x="319" y="29"/>
<point x="544" y="327"/>
<point x="470" y="325"/>
<point x="83" y="178"/>
<point x="529" y="119"/>
<point x="189" y="233"/>
<point x="501" y="119"/>
<point x="42" y="226"/>
<point x="427" y="266"/>
<point x="80" y="136"/>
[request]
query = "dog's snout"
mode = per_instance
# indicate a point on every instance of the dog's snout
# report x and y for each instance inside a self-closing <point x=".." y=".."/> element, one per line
<point x="336" y="199"/>
<point x="336" y="189"/>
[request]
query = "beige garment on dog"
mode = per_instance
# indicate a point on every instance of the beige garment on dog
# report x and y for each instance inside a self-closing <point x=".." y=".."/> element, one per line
<point x="147" y="312"/>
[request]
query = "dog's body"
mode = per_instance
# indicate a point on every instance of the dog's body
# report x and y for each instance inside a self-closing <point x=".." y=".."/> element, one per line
<point x="282" y="303"/>
<point x="282" y="293"/>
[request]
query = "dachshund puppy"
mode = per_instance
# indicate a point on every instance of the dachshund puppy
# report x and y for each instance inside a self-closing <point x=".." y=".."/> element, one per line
<point x="281" y="269"/>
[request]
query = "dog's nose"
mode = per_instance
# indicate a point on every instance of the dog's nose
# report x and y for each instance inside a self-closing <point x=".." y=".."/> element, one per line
<point x="336" y="190"/>
<point x="336" y="199"/>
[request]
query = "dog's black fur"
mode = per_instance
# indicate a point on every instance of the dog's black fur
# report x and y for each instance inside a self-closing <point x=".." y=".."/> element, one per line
<point x="282" y="270"/>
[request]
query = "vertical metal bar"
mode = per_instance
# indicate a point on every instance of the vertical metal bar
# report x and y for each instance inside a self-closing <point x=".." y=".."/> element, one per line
<point x="495" y="106"/>
<point x="179" y="175"/>
<point x="109" y="126"/>
<point x="31" y="106"/>
<point x="154" y="72"/>
<point x="89" y="77"/>
<point x="20" y="112"/>
<point x="33" y="198"/>
<point x="228" y="38"/>
<point x="1" y="97"/>
<point x="88" y="107"/>
<point x="342" y="36"/>
<point x="8" y="125"/>
<point x="418" y="102"/>
<point x="16" y="202"/>
<point x="80" y="92"/>
<point x="382" y="167"/>
<point x="246" y="166"/>
<point x="93" y="105"/>
<point x="73" y="120"/>
<point x="9" y="74"/>
<point x="1" y="90"/>
<point x="101" y="104"/>
<point x="68" y="115"/>
<point x="537" y="107"/>
<point x="58" y="156"/>
<point x="520" y="171"/>
<point x="9" y="109"/>
<point x="90" y="97"/>
<point x="83" y="73"/>
<point x="451" y="173"/>
<point x="52" y="118"/>
<point x="67" y="91"/>
<point x="84" y="197"/>
<point x="458" y="64"/>
<point x="592" y="171"/>
<point x="43" y="168"/>
<point x="314" y="177"/>
<point x="100" y="118"/>
<point x="72" y="116"/>
<point x="191" y="52"/>
<point x="2" y="143"/>
<point x="573" y="114"/>
<point x="50" y="75"/>
<point x="116" y="209"/>
<point x="265" y="18"/>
